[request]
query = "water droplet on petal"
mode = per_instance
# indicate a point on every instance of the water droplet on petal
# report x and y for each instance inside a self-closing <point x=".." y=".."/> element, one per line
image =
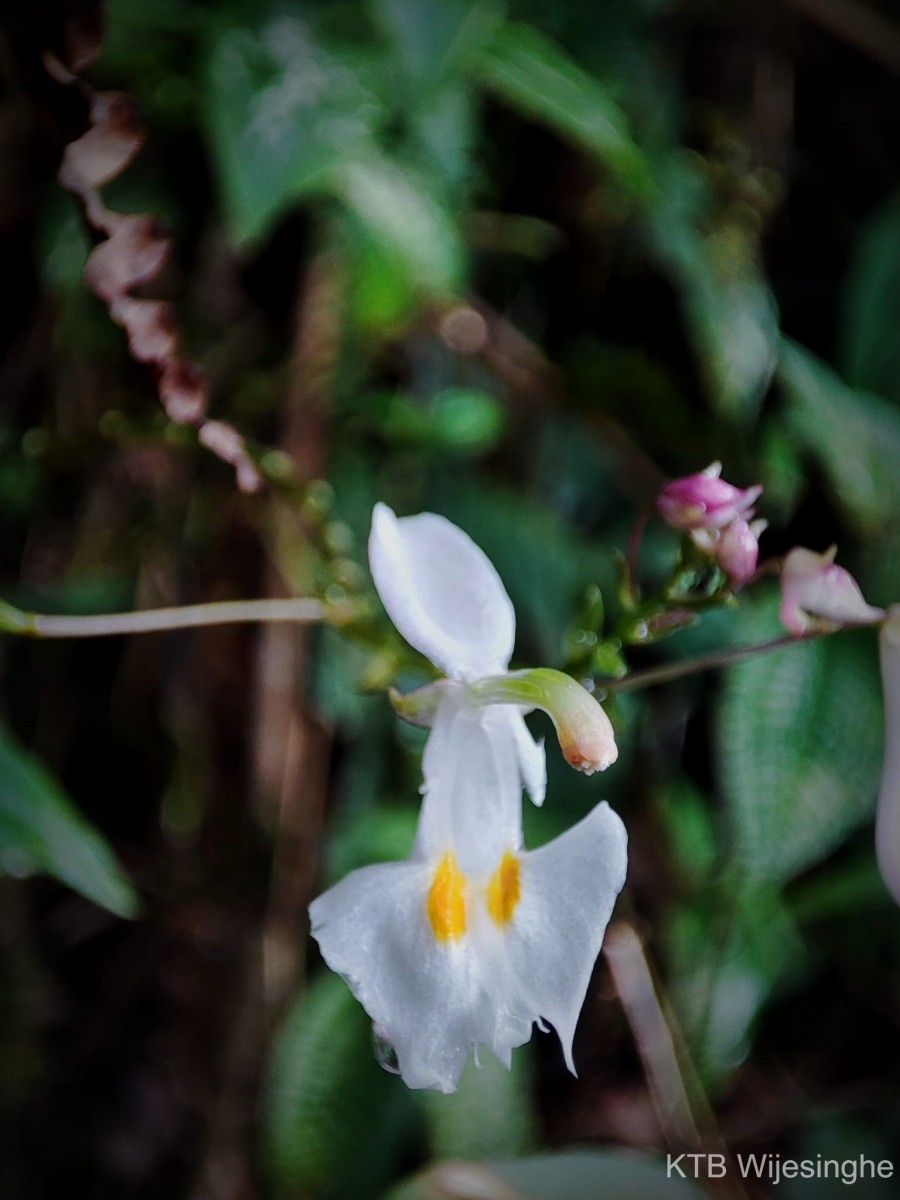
<point x="385" y="1054"/>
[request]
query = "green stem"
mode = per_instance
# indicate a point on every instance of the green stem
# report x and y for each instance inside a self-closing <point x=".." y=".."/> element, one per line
<point x="721" y="658"/>
<point x="190" y="616"/>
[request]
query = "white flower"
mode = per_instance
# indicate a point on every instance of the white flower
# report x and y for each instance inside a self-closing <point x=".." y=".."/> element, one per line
<point x="445" y="597"/>
<point x="473" y="939"/>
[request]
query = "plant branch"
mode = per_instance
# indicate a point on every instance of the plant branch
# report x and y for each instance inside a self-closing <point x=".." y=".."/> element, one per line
<point x="706" y="662"/>
<point x="189" y="616"/>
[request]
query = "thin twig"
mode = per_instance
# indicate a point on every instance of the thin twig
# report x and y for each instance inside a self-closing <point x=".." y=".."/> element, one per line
<point x="706" y="662"/>
<point x="189" y="616"/>
<point x="684" y="1111"/>
<point x="634" y="985"/>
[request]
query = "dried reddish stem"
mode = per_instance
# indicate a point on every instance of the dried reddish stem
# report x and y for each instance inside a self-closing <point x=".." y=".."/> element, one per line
<point x="132" y="249"/>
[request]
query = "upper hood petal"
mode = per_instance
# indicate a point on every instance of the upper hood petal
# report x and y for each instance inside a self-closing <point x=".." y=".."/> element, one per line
<point x="442" y="593"/>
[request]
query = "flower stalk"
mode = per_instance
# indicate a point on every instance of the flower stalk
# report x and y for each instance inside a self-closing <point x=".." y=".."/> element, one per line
<point x="189" y="616"/>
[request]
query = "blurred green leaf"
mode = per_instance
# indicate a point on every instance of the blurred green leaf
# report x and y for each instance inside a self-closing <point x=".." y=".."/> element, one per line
<point x="489" y="1114"/>
<point x="284" y="113"/>
<point x="595" y="1175"/>
<point x="799" y="750"/>
<point x="406" y="221"/>
<point x="870" y="353"/>
<point x="731" y="315"/>
<point x="573" y="1175"/>
<point x="383" y="834"/>
<point x="431" y="39"/>
<point x="843" y="890"/>
<point x="844" y="1138"/>
<point x="537" y="77"/>
<point x="442" y="134"/>
<point x="731" y="948"/>
<point x="854" y="435"/>
<point x="326" y="1097"/>
<point x="65" y="245"/>
<point x="453" y="420"/>
<point x="690" y="830"/>
<point x="41" y="831"/>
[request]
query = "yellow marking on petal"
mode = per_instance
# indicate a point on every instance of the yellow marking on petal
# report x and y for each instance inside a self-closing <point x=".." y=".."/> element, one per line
<point x="447" y="900"/>
<point x="504" y="889"/>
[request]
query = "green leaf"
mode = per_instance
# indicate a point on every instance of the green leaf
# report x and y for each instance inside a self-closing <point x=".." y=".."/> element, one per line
<point x="731" y="949"/>
<point x="327" y="1096"/>
<point x="588" y="1174"/>
<point x="799" y="750"/>
<point x="489" y="1114"/>
<point x="730" y="312"/>
<point x="406" y="222"/>
<point x="283" y="114"/>
<point x="461" y="420"/>
<point x="536" y="76"/>
<point x="41" y="831"/>
<point x="854" y="435"/>
<point x="573" y="1175"/>
<point x="870" y="352"/>
<point x="429" y="40"/>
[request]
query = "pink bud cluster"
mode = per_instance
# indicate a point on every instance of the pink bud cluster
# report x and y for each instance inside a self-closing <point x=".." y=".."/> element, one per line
<point x="718" y="517"/>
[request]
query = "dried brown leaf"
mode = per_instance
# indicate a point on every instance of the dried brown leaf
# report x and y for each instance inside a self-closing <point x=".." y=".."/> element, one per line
<point x="183" y="392"/>
<point x="133" y="254"/>
<point x="115" y="136"/>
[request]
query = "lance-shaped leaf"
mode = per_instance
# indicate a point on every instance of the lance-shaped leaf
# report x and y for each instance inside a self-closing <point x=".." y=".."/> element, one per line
<point x="41" y="831"/>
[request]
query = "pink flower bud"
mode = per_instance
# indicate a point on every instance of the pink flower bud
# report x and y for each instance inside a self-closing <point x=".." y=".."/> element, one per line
<point x="737" y="550"/>
<point x="817" y="594"/>
<point x="704" y="501"/>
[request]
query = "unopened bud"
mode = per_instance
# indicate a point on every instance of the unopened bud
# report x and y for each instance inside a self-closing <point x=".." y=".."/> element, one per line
<point x="704" y="501"/>
<point x="584" y="730"/>
<point x="737" y="549"/>
<point x="818" y="595"/>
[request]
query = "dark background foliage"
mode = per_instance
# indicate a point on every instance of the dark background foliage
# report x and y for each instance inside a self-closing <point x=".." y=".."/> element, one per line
<point x="515" y="265"/>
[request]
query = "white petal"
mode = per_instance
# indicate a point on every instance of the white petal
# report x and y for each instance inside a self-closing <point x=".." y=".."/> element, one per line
<point x="425" y="995"/>
<point x="473" y="792"/>
<point x="442" y="593"/>
<point x="568" y="890"/>
<point x="532" y="759"/>
<point x="887" y="820"/>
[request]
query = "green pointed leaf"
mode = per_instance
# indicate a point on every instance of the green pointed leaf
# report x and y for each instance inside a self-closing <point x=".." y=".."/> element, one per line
<point x="799" y="751"/>
<point x="327" y="1097"/>
<point x="870" y="348"/>
<point x="535" y="75"/>
<point x="572" y="1175"/>
<point x="489" y="1114"/>
<point x="429" y="40"/>
<point x="730" y="948"/>
<point x="407" y="223"/>
<point x="854" y="435"/>
<point x="284" y="113"/>
<point x="42" y="832"/>
<point x="730" y="311"/>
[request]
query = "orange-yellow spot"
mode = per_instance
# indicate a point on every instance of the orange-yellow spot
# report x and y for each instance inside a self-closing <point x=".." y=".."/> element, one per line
<point x="504" y="889"/>
<point x="447" y="900"/>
